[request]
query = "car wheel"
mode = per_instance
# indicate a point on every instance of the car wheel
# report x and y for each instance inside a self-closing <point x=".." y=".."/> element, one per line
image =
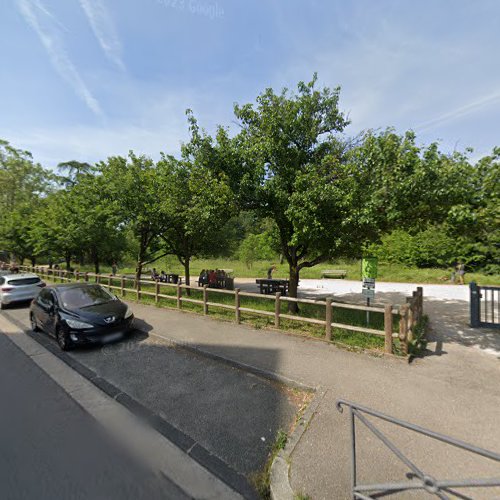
<point x="34" y="324"/>
<point x="63" y="340"/>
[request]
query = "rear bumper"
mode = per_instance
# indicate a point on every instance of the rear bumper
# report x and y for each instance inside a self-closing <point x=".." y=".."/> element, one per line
<point x="9" y="298"/>
<point x="101" y="335"/>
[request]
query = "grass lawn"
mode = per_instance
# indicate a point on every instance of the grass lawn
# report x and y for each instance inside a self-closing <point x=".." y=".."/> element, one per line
<point x="386" y="272"/>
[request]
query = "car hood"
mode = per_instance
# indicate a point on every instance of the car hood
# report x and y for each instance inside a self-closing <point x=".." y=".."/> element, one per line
<point x="108" y="313"/>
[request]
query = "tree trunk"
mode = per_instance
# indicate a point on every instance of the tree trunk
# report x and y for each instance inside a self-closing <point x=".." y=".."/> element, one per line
<point x="187" y="274"/>
<point x="96" y="264"/>
<point x="33" y="261"/>
<point x="67" y="258"/>
<point x="293" y="307"/>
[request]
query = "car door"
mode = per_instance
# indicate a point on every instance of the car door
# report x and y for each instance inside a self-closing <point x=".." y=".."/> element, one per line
<point x="51" y="321"/>
<point x="41" y="309"/>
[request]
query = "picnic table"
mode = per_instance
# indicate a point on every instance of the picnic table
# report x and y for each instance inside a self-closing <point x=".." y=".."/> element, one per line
<point x="334" y="273"/>
<point x="271" y="286"/>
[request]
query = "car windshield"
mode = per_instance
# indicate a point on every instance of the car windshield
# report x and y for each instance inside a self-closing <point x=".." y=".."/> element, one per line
<point x="85" y="296"/>
<point x="24" y="281"/>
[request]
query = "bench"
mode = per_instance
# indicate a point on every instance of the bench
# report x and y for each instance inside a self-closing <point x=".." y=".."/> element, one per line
<point x="334" y="273"/>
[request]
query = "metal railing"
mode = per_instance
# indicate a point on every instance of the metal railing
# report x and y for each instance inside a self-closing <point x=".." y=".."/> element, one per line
<point x="420" y="479"/>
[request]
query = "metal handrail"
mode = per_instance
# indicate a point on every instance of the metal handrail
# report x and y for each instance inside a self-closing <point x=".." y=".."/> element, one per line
<point x="422" y="480"/>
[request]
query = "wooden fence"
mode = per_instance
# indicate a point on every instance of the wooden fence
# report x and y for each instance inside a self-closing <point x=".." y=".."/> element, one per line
<point x="410" y="313"/>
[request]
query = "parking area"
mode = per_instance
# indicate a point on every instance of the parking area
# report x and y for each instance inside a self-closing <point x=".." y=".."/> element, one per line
<point x="220" y="412"/>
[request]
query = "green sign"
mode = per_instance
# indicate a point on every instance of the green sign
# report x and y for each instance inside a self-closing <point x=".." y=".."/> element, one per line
<point x="369" y="267"/>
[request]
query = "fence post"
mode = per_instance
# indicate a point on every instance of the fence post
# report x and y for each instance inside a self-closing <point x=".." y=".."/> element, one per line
<point x="388" y="328"/>
<point x="86" y="277"/>
<point x="475" y="308"/>
<point x="411" y="321"/>
<point x="237" y="311"/>
<point x="138" y="290"/>
<point x="77" y="275"/>
<point x="205" y="299"/>
<point x="420" y="291"/>
<point x="277" y="310"/>
<point x="328" y="319"/>
<point x="122" y="285"/>
<point x="179" y="296"/>
<point x="403" y="328"/>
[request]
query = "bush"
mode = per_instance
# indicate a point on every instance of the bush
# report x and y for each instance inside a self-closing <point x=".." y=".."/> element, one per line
<point x="429" y="248"/>
<point x="255" y="247"/>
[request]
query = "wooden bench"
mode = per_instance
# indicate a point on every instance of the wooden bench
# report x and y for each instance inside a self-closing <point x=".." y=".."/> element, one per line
<point x="334" y="273"/>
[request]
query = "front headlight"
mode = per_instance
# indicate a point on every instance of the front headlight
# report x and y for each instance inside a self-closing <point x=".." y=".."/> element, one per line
<point x="128" y="313"/>
<point x="78" y="325"/>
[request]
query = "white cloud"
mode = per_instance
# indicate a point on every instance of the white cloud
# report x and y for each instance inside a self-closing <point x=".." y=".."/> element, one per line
<point x="56" y="51"/>
<point x="459" y="112"/>
<point x="103" y="27"/>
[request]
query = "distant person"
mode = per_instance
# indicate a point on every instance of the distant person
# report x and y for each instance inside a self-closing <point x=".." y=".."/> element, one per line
<point x="212" y="278"/>
<point x="113" y="268"/>
<point x="453" y="276"/>
<point x="270" y="272"/>
<point x="154" y="274"/>
<point x="461" y="273"/>
<point x="163" y="277"/>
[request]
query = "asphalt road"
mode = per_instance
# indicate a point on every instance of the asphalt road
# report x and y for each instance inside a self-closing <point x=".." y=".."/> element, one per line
<point x="50" y="448"/>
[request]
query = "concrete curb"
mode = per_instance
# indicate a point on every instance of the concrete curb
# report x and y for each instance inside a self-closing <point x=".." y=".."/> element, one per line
<point x="280" y="468"/>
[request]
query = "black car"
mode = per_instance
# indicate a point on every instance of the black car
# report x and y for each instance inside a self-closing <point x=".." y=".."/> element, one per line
<point x="80" y="313"/>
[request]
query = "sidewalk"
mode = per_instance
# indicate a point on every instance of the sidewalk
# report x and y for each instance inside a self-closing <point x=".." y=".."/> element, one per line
<point x="455" y="393"/>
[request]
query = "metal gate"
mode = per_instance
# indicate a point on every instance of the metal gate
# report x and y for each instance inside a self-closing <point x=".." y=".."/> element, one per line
<point x="484" y="306"/>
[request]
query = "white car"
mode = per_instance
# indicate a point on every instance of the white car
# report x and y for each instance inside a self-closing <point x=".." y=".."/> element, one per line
<point x="19" y="288"/>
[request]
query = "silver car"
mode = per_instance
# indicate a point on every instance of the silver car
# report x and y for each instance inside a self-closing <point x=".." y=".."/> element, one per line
<point x="18" y="288"/>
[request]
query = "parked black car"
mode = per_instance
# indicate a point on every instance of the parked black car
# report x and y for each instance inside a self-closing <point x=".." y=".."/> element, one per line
<point x="80" y="313"/>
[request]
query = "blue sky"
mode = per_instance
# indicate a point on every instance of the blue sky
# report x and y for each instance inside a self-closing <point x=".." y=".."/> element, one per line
<point x="84" y="79"/>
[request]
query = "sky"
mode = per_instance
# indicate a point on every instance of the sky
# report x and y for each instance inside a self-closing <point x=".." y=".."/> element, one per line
<point x="86" y="79"/>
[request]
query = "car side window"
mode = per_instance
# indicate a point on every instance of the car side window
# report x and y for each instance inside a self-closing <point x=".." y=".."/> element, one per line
<point x="52" y="298"/>
<point x="43" y="298"/>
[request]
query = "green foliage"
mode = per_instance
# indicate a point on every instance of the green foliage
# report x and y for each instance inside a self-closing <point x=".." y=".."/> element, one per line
<point x="431" y="247"/>
<point x="256" y="247"/>
<point x="195" y="207"/>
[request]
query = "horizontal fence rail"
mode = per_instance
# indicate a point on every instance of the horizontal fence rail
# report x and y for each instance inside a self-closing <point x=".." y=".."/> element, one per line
<point x="421" y="480"/>
<point x="409" y="313"/>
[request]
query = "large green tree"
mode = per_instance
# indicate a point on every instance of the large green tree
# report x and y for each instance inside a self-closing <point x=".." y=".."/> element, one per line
<point x="195" y="206"/>
<point x="136" y="191"/>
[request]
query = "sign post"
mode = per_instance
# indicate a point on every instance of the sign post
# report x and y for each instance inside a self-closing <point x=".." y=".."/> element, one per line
<point x="369" y="268"/>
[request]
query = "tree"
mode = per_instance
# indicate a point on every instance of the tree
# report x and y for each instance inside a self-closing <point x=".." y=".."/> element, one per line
<point x="72" y="170"/>
<point x="136" y="191"/>
<point x="23" y="184"/>
<point x="195" y="206"/>
<point x="295" y="161"/>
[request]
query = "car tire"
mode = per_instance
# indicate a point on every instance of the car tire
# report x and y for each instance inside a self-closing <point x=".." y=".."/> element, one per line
<point x="63" y="340"/>
<point x="34" y="324"/>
